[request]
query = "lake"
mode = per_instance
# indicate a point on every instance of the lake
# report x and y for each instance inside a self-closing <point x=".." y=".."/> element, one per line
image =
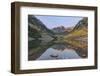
<point x="53" y="51"/>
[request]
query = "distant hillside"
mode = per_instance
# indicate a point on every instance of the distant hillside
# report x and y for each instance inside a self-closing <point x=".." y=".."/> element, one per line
<point x="81" y="23"/>
<point x="80" y="29"/>
<point x="37" y="30"/>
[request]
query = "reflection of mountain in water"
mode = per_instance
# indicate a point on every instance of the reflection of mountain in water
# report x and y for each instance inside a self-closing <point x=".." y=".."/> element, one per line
<point x="37" y="48"/>
<point x="59" y="46"/>
<point x="50" y="50"/>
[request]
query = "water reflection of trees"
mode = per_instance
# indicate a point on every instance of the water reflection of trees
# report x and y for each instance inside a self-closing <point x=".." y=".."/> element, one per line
<point x="62" y="46"/>
<point x="37" y="48"/>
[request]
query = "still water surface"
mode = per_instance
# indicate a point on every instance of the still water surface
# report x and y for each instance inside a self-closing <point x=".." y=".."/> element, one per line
<point x="51" y="51"/>
<point x="59" y="51"/>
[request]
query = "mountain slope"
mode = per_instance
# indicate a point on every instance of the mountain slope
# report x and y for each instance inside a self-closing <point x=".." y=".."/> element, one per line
<point x="37" y="30"/>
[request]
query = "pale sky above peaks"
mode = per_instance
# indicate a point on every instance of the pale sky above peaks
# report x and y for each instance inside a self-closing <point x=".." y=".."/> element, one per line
<point x="55" y="21"/>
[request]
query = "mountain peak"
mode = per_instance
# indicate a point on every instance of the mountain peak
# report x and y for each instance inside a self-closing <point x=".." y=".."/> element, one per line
<point x="59" y="29"/>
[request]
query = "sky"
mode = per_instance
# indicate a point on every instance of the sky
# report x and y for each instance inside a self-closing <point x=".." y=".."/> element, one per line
<point x="55" y="21"/>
